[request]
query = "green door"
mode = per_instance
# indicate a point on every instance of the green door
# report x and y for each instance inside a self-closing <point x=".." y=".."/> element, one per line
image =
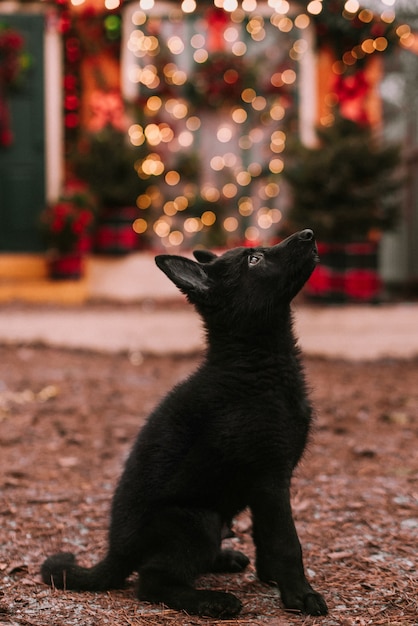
<point x="22" y="164"/>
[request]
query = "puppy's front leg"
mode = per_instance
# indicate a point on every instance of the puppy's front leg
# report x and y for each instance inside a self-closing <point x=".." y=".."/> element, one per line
<point x="279" y="554"/>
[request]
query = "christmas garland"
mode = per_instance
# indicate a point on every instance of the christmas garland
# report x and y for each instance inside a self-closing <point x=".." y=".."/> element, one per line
<point x="219" y="80"/>
<point x="345" y="31"/>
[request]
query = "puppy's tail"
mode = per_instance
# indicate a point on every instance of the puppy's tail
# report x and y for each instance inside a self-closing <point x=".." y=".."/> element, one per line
<point x="61" y="571"/>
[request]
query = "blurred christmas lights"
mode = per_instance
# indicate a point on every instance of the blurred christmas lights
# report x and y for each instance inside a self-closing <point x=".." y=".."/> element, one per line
<point x="181" y="96"/>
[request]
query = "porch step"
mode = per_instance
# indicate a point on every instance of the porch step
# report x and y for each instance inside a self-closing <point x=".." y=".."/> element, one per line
<point x="24" y="277"/>
<point x="131" y="278"/>
<point x="46" y="292"/>
<point x="17" y="267"/>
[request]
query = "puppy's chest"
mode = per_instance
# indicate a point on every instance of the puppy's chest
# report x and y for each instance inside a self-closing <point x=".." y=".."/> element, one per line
<point x="270" y="417"/>
<point x="274" y="426"/>
<point x="278" y="393"/>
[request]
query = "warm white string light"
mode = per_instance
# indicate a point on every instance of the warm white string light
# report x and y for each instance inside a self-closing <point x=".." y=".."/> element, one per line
<point x="154" y="134"/>
<point x="188" y="6"/>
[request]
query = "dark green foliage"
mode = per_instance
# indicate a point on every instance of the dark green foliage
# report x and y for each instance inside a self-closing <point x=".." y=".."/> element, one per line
<point x="343" y="30"/>
<point x="346" y="187"/>
<point x="106" y="161"/>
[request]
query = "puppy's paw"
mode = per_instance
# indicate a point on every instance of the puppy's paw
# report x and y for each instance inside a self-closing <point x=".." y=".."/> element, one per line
<point x="314" y="604"/>
<point x="231" y="561"/>
<point x="216" y="604"/>
<point x="55" y="567"/>
<point x="310" y="602"/>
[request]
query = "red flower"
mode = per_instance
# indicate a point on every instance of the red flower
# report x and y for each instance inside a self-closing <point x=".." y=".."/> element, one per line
<point x="13" y="40"/>
<point x="85" y="218"/>
<point x="71" y="120"/>
<point x="6" y="137"/>
<point x="67" y="223"/>
<point x="70" y="82"/>
<point x="71" y="102"/>
<point x="13" y="61"/>
<point x="57" y="224"/>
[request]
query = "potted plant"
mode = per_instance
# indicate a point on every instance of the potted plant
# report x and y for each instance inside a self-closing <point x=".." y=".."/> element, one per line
<point x="66" y="227"/>
<point x="106" y="162"/>
<point x="347" y="189"/>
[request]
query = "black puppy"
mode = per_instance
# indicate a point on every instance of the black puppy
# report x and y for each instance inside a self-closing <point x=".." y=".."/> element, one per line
<point x="227" y="438"/>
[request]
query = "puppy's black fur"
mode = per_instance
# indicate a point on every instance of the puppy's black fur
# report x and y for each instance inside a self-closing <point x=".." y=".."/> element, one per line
<point x="227" y="438"/>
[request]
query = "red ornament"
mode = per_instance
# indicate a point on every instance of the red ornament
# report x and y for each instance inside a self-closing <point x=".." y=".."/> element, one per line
<point x="71" y="102"/>
<point x="217" y="21"/>
<point x="72" y="120"/>
<point x="351" y="91"/>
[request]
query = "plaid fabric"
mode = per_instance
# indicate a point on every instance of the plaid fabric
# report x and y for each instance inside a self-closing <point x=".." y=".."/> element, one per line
<point x="66" y="267"/>
<point x="114" y="234"/>
<point x="346" y="273"/>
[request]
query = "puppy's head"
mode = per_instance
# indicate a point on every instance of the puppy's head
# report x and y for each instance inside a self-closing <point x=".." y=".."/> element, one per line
<point x="244" y="283"/>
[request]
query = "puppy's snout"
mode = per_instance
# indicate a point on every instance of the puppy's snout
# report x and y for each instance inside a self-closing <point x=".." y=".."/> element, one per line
<point x="306" y="235"/>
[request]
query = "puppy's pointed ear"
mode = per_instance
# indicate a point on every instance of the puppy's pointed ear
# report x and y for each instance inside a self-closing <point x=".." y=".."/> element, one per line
<point x="190" y="277"/>
<point x="204" y="256"/>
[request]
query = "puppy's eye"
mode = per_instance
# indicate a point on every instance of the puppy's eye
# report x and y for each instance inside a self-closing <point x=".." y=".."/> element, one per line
<point x="253" y="259"/>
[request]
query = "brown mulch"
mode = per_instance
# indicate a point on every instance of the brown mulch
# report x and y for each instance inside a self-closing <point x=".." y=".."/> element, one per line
<point x="67" y="420"/>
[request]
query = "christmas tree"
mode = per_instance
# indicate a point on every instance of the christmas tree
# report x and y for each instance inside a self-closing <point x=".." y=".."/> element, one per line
<point x="347" y="188"/>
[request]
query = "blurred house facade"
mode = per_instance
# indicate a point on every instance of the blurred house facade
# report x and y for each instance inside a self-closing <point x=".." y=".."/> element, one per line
<point x="78" y="79"/>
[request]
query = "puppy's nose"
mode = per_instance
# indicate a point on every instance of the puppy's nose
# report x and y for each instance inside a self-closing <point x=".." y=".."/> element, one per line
<point x="306" y="235"/>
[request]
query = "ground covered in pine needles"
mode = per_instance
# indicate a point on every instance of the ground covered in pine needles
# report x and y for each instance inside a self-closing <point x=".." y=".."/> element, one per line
<point x="67" y="420"/>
